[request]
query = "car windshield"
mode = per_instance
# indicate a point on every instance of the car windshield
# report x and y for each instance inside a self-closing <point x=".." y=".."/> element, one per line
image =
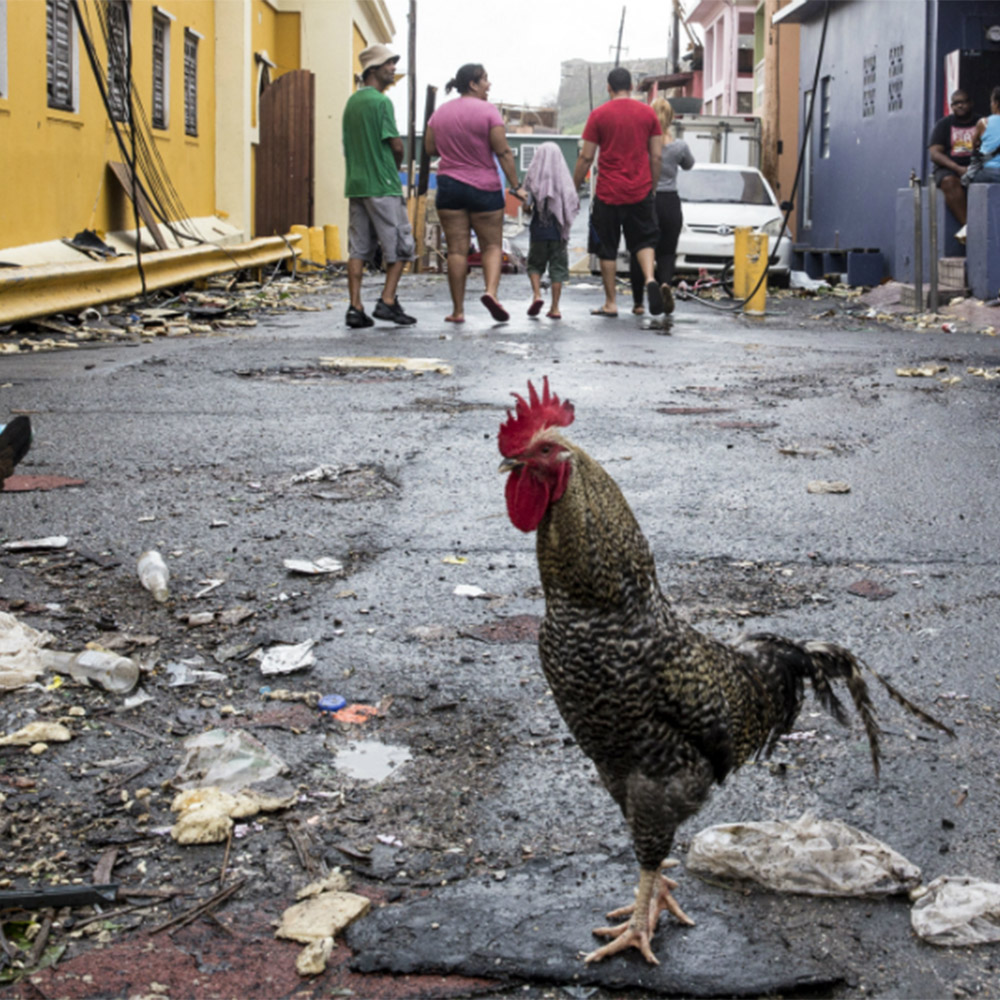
<point x="733" y="187"/>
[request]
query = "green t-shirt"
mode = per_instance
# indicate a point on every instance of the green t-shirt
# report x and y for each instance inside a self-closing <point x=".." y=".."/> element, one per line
<point x="371" y="168"/>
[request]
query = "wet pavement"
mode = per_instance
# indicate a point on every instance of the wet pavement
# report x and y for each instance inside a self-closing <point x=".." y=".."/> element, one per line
<point x="492" y="850"/>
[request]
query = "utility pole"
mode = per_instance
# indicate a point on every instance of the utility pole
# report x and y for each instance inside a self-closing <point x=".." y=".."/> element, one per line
<point x="621" y="28"/>
<point x="411" y="94"/>
<point x="675" y="42"/>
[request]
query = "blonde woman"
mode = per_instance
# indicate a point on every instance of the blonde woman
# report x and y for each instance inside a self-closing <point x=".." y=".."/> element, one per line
<point x="676" y="155"/>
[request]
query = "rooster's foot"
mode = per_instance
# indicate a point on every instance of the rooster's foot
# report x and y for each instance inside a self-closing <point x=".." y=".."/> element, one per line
<point x="628" y="938"/>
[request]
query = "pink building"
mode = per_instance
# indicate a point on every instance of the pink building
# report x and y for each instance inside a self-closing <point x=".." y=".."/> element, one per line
<point x="728" y="61"/>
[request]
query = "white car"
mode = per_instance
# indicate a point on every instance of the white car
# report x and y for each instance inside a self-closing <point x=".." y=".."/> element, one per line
<point x="718" y="197"/>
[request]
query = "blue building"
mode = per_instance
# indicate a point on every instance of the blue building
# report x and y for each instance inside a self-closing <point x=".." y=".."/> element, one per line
<point x="885" y="73"/>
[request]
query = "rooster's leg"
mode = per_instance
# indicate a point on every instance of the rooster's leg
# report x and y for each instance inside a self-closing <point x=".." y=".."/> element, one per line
<point x="653" y="897"/>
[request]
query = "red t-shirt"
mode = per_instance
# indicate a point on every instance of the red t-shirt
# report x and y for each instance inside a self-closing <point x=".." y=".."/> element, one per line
<point x="621" y="128"/>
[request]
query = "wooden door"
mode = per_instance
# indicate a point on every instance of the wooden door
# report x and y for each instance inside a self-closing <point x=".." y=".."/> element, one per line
<point x="284" y="155"/>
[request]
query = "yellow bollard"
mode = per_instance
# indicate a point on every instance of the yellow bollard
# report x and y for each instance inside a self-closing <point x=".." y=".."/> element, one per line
<point x="756" y="274"/>
<point x="740" y="236"/>
<point x="301" y="248"/>
<point x="331" y="238"/>
<point x="317" y="247"/>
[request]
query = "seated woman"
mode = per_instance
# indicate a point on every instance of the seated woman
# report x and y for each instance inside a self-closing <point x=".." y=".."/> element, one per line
<point x="466" y="134"/>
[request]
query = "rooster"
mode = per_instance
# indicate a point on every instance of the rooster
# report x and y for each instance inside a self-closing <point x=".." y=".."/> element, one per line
<point x="662" y="710"/>
<point x="15" y="440"/>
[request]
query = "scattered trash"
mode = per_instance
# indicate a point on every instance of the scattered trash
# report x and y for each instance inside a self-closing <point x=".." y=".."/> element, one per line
<point x="469" y="590"/>
<point x="322" y="916"/>
<point x="827" y="486"/>
<point x="184" y="673"/>
<point x="370" y="760"/>
<point x="985" y="373"/>
<point x="331" y="703"/>
<point x="20" y="652"/>
<point x="455" y="560"/>
<point x="800" y="279"/>
<point x="808" y="855"/>
<point x="958" y="910"/>
<point x="310" y="698"/>
<point x="949" y="327"/>
<point x="314" y="567"/>
<point x="418" y="366"/>
<point x="34" y="544"/>
<point x="37" y="732"/>
<point x="230" y="760"/>
<point x="284" y="658"/>
<point x="356" y="713"/>
<point x="205" y="815"/>
<point x="114" y="673"/>
<point x="314" y="956"/>
<point x="154" y="575"/>
<point x="921" y="371"/>
<point x="872" y="590"/>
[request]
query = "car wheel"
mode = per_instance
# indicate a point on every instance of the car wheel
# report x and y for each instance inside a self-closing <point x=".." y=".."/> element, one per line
<point x="780" y="280"/>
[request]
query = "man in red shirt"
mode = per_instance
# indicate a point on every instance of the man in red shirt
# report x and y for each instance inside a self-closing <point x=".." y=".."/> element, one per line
<point x="630" y="139"/>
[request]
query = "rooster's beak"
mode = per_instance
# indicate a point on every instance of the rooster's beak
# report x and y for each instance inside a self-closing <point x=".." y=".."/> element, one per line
<point x="509" y="465"/>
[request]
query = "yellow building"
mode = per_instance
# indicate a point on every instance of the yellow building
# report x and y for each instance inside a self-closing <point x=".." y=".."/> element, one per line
<point x="201" y="72"/>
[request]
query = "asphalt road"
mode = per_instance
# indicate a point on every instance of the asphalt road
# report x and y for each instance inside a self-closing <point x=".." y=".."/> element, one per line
<point x="500" y="848"/>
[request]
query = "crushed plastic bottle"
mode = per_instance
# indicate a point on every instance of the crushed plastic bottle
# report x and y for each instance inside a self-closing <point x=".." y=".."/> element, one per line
<point x="117" y="674"/>
<point x="154" y="575"/>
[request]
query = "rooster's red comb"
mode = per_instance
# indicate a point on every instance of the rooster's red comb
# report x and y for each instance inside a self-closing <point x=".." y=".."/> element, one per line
<point x="533" y="415"/>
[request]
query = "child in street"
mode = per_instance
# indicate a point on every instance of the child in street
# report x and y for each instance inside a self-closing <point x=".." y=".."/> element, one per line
<point x="554" y="204"/>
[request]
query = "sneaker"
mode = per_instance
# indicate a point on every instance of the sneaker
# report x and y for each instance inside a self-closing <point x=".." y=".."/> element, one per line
<point x="393" y="313"/>
<point x="668" y="299"/>
<point x="358" y="318"/>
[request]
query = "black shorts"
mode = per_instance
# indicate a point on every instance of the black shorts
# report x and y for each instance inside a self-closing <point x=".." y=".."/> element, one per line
<point x="637" y="221"/>
<point x="459" y="196"/>
<point x="940" y="173"/>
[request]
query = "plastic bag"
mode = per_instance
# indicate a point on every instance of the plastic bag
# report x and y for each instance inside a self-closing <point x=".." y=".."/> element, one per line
<point x="20" y="652"/>
<point x="228" y="760"/>
<point x="958" y="910"/>
<point x="808" y="855"/>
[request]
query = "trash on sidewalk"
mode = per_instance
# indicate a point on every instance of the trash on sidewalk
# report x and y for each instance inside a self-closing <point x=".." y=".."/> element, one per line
<point x="184" y="673"/>
<point x="921" y="371"/>
<point x="827" y="486"/>
<point x="957" y="910"/>
<point x="35" y="733"/>
<point x="808" y="855"/>
<point x="154" y="575"/>
<point x="36" y="544"/>
<point x="231" y="760"/>
<point x="114" y="673"/>
<point x="20" y="652"/>
<point x="205" y="815"/>
<point x="284" y="658"/>
<point x="314" y="567"/>
<point x="417" y="366"/>
<point x="30" y="484"/>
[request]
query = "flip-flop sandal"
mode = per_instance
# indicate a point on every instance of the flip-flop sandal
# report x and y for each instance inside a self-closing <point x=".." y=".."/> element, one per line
<point x="454" y="319"/>
<point x="497" y="311"/>
<point x="655" y="297"/>
<point x="638" y="311"/>
<point x="603" y="312"/>
<point x="536" y="307"/>
<point x="553" y="315"/>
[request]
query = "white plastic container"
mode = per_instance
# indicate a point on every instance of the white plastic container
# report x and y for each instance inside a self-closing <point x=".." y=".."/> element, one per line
<point x="154" y="575"/>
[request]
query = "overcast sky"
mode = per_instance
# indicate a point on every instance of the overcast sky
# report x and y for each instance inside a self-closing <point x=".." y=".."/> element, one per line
<point x="521" y="45"/>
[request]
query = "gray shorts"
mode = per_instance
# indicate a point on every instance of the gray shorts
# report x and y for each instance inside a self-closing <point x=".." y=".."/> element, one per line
<point x="380" y="222"/>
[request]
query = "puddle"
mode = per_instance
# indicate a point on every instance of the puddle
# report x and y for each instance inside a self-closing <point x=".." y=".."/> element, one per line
<point x="369" y="760"/>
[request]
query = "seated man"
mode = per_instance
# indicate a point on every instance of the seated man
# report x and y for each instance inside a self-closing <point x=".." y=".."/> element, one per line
<point x="951" y="151"/>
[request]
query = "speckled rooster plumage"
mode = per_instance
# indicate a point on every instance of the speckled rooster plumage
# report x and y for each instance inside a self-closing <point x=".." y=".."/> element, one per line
<point x="662" y="710"/>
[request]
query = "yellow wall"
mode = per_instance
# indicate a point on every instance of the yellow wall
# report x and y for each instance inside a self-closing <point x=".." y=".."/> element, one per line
<point x="53" y="165"/>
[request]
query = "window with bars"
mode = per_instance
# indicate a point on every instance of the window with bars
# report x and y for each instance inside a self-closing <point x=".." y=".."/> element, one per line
<point x="868" y="81"/>
<point x="896" y="78"/>
<point x="161" y="63"/>
<point x="119" y="19"/>
<point x="59" y="53"/>
<point x="528" y="151"/>
<point x="190" y="83"/>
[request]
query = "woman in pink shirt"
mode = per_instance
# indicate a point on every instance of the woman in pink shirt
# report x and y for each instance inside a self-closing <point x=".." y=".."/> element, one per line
<point x="466" y="134"/>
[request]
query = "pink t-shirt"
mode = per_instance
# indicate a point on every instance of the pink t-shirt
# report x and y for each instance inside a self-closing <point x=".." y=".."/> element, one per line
<point x="462" y="134"/>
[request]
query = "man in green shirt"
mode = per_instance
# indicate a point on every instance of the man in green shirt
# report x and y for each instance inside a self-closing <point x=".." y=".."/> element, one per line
<point x="374" y="152"/>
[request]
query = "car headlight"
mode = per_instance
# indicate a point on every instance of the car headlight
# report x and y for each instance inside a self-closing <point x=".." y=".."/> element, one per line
<point x="772" y="228"/>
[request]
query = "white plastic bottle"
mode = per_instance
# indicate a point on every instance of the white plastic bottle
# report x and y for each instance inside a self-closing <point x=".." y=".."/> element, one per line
<point x="154" y="575"/>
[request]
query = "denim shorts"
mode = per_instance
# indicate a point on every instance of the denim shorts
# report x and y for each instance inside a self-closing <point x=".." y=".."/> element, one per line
<point x="457" y="195"/>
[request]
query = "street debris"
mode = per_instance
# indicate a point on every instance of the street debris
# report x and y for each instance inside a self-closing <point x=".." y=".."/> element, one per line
<point x="872" y="590"/>
<point x="20" y="652"/>
<point x="921" y="371"/>
<point x="154" y="575"/>
<point x="827" y="486"/>
<point x="206" y="814"/>
<point x="230" y="760"/>
<point x="416" y="366"/>
<point x="37" y="544"/>
<point x="285" y="658"/>
<point x="185" y="673"/>
<point x="37" y="733"/>
<point x="114" y="673"/>
<point x="314" y="567"/>
<point x="808" y="855"/>
<point x="957" y="910"/>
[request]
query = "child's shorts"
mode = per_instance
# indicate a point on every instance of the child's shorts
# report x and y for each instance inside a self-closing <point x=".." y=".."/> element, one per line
<point x="552" y="253"/>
